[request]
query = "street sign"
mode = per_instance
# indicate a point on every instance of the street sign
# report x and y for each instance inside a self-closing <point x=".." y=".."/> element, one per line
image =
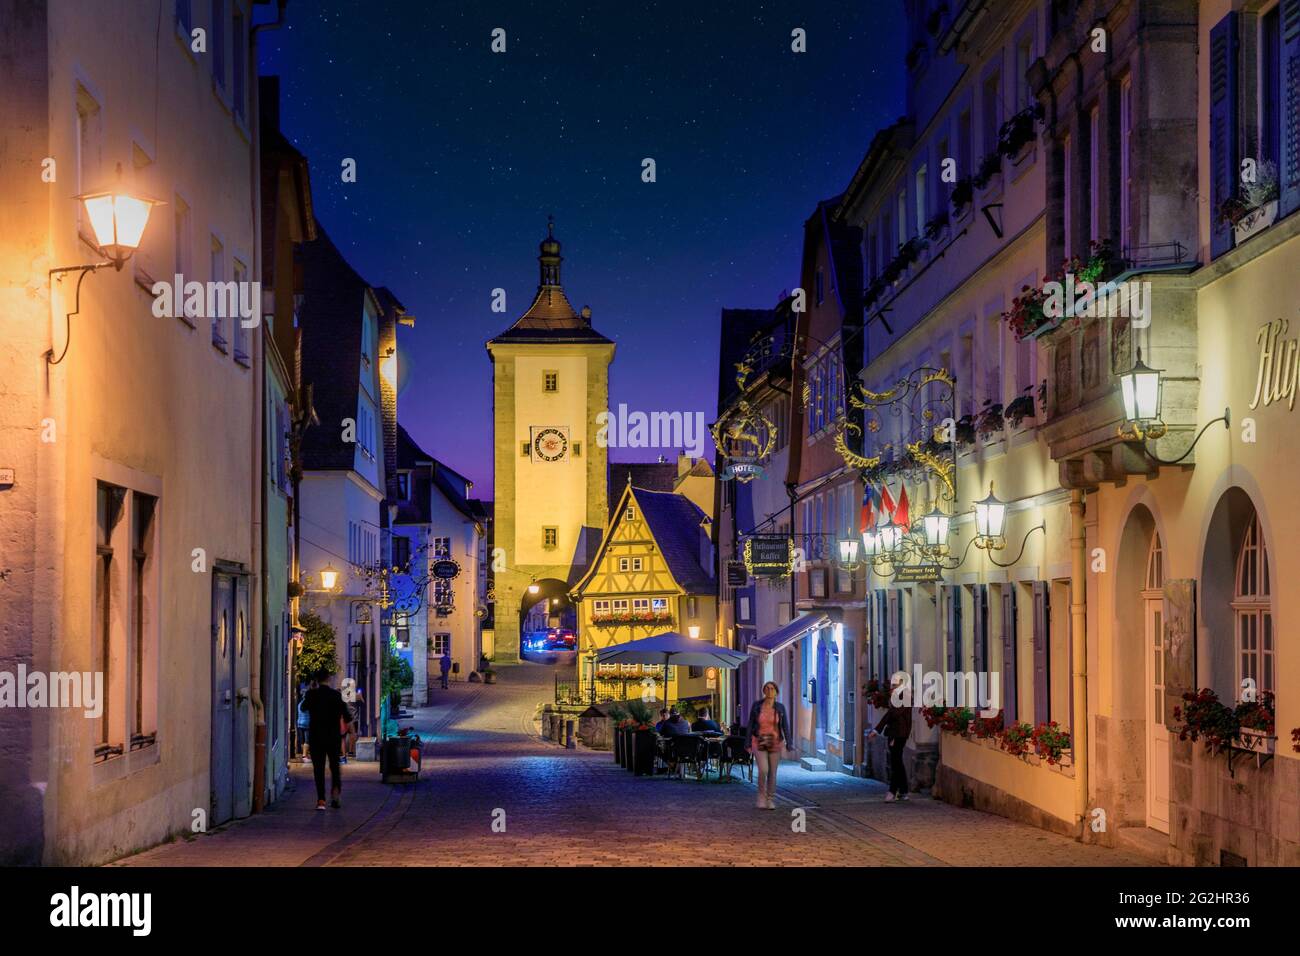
<point x="445" y="569"/>
<point x="918" y="574"/>
<point x="737" y="576"/>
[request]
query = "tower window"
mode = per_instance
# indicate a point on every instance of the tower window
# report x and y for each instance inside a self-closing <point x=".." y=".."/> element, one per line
<point x="577" y="449"/>
<point x="550" y="538"/>
<point x="550" y="381"/>
<point x="525" y="449"/>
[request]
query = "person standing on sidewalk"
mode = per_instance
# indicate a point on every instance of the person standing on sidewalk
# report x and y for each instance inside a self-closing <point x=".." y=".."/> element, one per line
<point x="896" y="725"/>
<point x="329" y="722"/>
<point x="769" y="737"/>
<point x="444" y="665"/>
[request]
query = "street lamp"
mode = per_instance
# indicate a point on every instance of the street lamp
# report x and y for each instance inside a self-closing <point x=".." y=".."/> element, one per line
<point x="936" y="525"/>
<point x="1141" y="388"/>
<point x="118" y="219"/>
<point x="329" y="577"/>
<point x="990" y="519"/>
<point x="534" y="588"/>
<point x="694" y="631"/>
<point x="848" y="553"/>
<point x="388" y="367"/>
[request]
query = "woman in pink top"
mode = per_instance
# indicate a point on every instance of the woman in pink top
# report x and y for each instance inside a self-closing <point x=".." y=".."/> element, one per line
<point x="769" y="737"/>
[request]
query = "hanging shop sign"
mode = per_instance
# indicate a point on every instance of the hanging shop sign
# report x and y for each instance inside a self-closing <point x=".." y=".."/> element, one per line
<point x="737" y="576"/>
<point x="445" y="569"/>
<point x="918" y="574"/>
<point x="744" y="436"/>
<point x="769" y="555"/>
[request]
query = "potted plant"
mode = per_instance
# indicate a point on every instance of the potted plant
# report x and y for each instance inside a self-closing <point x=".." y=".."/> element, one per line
<point x="1020" y="408"/>
<point x="1203" y="715"/>
<point x="989" y="167"/>
<point x="1255" y="205"/>
<point x="990" y="422"/>
<point x="963" y="191"/>
<point x="1027" y="314"/>
<point x="936" y="225"/>
<point x="1257" y="724"/>
<point x="617" y="716"/>
<point x="489" y="676"/>
<point x="1017" y="739"/>
<point x="984" y="728"/>
<point x="1051" y="742"/>
<point x="877" y="694"/>
<point x="1017" y="133"/>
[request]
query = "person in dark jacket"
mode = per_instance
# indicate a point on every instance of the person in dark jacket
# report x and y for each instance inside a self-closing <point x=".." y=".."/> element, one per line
<point x="675" y="725"/>
<point x="329" y="717"/>
<point x="704" y="722"/>
<point x="769" y="737"/>
<point x="896" y="725"/>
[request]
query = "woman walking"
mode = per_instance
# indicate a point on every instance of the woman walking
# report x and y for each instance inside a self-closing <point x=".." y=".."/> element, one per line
<point x="769" y="736"/>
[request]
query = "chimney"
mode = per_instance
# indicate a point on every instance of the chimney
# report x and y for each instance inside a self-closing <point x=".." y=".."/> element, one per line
<point x="388" y="392"/>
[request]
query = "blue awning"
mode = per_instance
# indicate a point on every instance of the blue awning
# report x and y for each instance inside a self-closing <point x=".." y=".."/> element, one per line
<point x="787" y="634"/>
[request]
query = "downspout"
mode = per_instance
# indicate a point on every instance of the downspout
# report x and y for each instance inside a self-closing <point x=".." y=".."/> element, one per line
<point x="258" y="426"/>
<point x="1079" y="633"/>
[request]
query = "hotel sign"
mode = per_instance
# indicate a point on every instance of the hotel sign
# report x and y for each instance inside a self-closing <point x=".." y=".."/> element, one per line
<point x="1279" y="365"/>
<point x="918" y="574"/>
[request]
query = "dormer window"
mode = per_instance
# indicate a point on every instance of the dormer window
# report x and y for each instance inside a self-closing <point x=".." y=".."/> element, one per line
<point x="404" y="485"/>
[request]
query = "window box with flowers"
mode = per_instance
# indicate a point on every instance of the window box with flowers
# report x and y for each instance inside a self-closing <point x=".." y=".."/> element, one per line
<point x="988" y="177"/>
<point x="1203" y="715"/>
<point x="633" y="619"/>
<point x="1254" y="208"/>
<point x="1017" y="135"/>
<point x="937" y="225"/>
<point x="990" y="423"/>
<point x="1017" y="740"/>
<point x="963" y="191"/>
<point x="1258" y="732"/>
<point x="1020" y="408"/>
<point x="1051" y="742"/>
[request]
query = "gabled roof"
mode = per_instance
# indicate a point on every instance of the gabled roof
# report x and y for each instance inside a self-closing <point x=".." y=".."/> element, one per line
<point x="742" y="330"/>
<point x="675" y="524"/>
<point x="428" y="475"/>
<point x="653" y="476"/>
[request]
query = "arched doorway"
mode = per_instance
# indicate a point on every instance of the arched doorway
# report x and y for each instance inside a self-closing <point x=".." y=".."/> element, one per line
<point x="1139" y="752"/>
<point x="546" y="610"/>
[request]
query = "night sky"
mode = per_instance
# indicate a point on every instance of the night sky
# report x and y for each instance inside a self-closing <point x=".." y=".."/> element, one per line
<point x="462" y="153"/>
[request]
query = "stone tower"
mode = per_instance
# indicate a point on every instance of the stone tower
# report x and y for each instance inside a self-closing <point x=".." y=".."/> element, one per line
<point x="550" y="379"/>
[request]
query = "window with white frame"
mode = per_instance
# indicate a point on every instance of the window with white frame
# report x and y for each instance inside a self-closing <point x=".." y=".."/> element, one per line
<point x="439" y="644"/>
<point x="620" y="605"/>
<point x="600" y="606"/>
<point x="441" y="548"/>
<point x="659" y="605"/>
<point x="1252" y="607"/>
<point x="640" y="605"/>
<point x="217" y="273"/>
<point x="239" y="272"/>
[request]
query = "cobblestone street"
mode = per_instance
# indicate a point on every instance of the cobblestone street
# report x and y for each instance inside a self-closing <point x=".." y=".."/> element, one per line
<point x="568" y="808"/>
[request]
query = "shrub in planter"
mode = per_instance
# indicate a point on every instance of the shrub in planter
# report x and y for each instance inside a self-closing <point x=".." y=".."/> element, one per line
<point x="952" y="720"/>
<point x="965" y="431"/>
<point x="1203" y="715"/>
<point x="1050" y="741"/>
<point x="1027" y="314"/>
<point x="1018" y="132"/>
<point x="911" y="250"/>
<point x="1257" y="714"/>
<point x="1017" y="739"/>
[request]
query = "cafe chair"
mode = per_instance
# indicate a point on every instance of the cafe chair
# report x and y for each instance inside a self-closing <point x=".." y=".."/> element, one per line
<point x="687" y="752"/>
<point x="734" y="753"/>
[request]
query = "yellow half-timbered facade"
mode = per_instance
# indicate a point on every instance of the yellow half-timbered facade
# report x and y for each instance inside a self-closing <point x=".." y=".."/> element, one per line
<point x="652" y="573"/>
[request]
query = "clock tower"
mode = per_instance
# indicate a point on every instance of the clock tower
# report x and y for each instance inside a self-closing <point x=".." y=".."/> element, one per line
<point x="550" y="379"/>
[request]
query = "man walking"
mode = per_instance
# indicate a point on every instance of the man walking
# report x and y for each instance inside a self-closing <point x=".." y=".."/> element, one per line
<point x="444" y="664"/>
<point x="329" y="719"/>
<point x="896" y="725"/>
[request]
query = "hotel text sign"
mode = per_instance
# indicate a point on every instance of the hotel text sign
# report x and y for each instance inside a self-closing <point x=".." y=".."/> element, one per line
<point x="1279" y="365"/>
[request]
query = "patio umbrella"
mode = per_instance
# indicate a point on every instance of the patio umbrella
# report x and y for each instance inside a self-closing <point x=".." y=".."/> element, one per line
<point x="671" y="648"/>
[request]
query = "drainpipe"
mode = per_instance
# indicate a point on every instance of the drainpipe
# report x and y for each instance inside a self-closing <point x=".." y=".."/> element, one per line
<point x="1079" y="631"/>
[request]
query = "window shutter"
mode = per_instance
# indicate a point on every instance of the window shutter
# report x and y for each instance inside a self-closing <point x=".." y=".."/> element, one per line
<point x="981" y="626"/>
<point x="1289" y="77"/>
<point x="953" y="636"/>
<point x="1223" y="128"/>
<point x="1009" y="653"/>
<point x="1041" y="663"/>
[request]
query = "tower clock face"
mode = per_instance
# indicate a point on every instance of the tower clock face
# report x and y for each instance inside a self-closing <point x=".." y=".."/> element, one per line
<point x="550" y="443"/>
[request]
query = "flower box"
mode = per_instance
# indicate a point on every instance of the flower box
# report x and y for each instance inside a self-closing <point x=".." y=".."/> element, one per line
<point x="1256" y="220"/>
<point x="1257" y="741"/>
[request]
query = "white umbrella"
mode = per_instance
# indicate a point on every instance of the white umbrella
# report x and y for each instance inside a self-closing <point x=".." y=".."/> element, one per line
<point x="671" y="648"/>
